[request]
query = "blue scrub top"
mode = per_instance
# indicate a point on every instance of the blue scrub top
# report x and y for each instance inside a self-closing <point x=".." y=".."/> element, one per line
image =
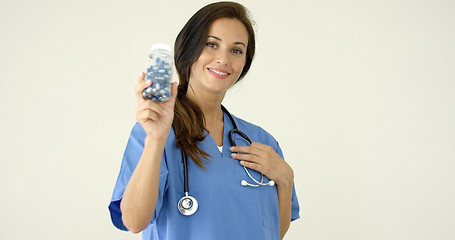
<point x="226" y="210"/>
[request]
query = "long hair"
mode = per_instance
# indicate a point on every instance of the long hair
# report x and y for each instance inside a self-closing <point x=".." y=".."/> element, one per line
<point x="189" y="121"/>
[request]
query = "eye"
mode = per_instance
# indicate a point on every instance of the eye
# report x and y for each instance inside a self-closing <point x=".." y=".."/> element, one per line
<point x="237" y="51"/>
<point x="211" y="45"/>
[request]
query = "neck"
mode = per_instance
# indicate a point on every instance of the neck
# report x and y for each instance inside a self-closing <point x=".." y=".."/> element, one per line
<point x="209" y="103"/>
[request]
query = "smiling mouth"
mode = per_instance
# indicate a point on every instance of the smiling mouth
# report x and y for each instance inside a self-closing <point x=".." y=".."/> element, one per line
<point x="219" y="72"/>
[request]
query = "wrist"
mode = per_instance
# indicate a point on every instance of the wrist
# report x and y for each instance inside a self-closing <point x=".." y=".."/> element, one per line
<point x="287" y="180"/>
<point x="155" y="140"/>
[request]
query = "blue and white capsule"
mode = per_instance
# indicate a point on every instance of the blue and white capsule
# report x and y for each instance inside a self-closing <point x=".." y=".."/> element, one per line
<point x="160" y="72"/>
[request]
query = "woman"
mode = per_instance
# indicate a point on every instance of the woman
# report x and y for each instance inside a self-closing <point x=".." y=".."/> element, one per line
<point x="213" y="51"/>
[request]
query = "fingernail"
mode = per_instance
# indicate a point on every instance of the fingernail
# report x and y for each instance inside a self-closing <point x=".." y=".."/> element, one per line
<point x="233" y="155"/>
<point x="231" y="148"/>
<point x="148" y="81"/>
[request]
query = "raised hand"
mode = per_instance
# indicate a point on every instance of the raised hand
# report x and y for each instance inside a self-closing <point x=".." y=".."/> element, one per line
<point x="155" y="117"/>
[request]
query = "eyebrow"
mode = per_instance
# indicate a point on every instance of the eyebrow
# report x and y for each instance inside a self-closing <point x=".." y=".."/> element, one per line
<point x="219" y="39"/>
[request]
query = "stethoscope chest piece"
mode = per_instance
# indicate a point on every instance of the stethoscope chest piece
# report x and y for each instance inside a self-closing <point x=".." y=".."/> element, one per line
<point x="187" y="205"/>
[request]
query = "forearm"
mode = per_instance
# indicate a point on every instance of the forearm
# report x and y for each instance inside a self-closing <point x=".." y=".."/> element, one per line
<point x="284" y="192"/>
<point x="139" y="199"/>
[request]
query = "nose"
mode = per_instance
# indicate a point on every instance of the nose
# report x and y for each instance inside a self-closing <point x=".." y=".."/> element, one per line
<point x="222" y="57"/>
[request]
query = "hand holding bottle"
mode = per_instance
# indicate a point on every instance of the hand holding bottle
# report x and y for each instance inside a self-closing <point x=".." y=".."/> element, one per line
<point x="155" y="117"/>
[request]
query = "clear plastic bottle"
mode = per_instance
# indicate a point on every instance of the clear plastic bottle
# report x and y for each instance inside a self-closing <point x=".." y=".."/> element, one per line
<point x="159" y="70"/>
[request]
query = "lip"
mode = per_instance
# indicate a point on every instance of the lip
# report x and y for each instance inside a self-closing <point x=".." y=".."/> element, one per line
<point x="219" y="76"/>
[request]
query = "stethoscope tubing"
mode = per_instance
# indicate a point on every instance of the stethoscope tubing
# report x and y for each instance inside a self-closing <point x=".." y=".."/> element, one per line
<point x="185" y="172"/>
<point x="189" y="209"/>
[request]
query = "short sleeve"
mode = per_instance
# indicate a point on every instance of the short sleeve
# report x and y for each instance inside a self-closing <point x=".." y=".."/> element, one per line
<point x="295" y="202"/>
<point x="295" y="206"/>
<point x="131" y="157"/>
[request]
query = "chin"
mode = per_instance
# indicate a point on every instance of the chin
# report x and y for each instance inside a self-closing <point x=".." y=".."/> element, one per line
<point x="217" y="86"/>
<point x="218" y="89"/>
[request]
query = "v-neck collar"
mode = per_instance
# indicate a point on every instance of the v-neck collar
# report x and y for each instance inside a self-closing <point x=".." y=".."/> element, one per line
<point x="227" y="126"/>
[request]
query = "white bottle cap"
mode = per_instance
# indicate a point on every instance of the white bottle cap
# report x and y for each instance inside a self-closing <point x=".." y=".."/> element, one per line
<point x="160" y="46"/>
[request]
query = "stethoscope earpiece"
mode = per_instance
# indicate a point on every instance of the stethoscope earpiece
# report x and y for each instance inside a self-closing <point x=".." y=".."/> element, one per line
<point x="245" y="183"/>
<point x="188" y="205"/>
<point x="261" y="183"/>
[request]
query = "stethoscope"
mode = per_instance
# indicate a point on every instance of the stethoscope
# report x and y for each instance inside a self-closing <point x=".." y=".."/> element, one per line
<point x="188" y="205"/>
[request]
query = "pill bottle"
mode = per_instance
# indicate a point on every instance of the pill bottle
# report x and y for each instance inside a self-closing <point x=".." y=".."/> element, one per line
<point x="159" y="71"/>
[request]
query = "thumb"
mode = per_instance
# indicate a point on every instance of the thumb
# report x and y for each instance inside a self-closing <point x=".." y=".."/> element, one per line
<point x="173" y="92"/>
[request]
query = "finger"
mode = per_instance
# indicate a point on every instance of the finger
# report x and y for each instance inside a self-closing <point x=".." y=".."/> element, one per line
<point x="140" y="77"/>
<point x="246" y="157"/>
<point x="140" y="86"/>
<point x="171" y="102"/>
<point x="252" y="165"/>
<point x="143" y="116"/>
<point x="245" y="149"/>
<point x="261" y="146"/>
<point x="146" y="115"/>
<point x="152" y="115"/>
<point x="151" y="105"/>
<point x="173" y="91"/>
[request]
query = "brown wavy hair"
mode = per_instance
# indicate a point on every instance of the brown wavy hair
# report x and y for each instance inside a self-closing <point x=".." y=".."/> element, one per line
<point x="189" y="121"/>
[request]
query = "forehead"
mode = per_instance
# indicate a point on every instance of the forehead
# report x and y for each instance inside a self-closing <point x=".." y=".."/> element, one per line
<point x="229" y="30"/>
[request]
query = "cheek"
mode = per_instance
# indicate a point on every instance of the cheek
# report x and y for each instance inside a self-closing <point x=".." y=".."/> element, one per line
<point x="239" y="65"/>
<point x="196" y="67"/>
<point x="193" y="67"/>
<point x="204" y="57"/>
<point x="200" y="63"/>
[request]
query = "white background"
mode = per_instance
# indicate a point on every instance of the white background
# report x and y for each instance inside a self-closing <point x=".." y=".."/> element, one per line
<point x="360" y="95"/>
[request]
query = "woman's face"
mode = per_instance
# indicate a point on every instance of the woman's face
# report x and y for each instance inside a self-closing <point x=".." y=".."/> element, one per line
<point x="223" y="57"/>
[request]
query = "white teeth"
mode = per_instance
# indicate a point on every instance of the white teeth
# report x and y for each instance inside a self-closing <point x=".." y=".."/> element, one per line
<point x="218" y="72"/>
